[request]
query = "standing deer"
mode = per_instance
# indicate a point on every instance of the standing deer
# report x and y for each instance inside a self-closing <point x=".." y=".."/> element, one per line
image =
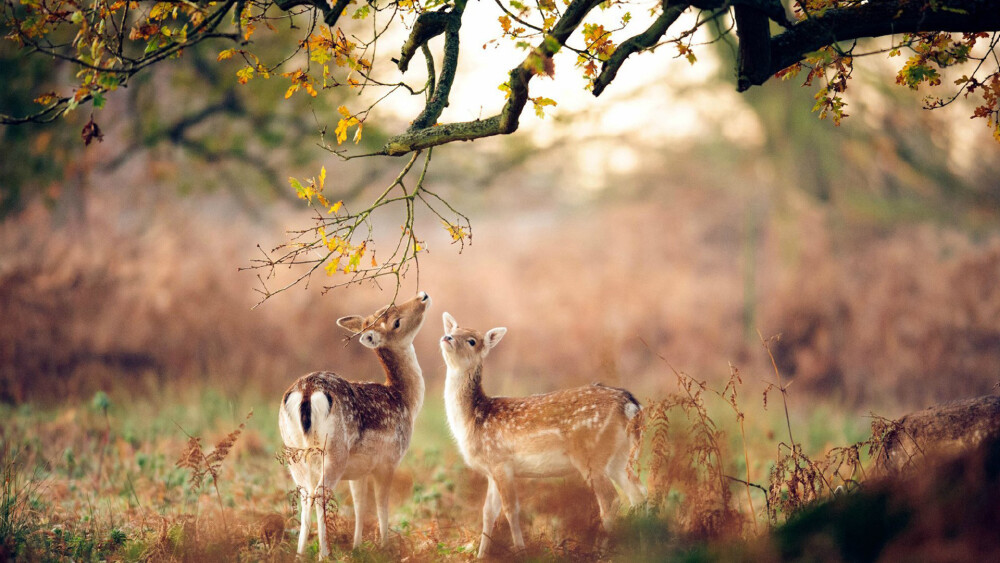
<point x="337" y="430"/>
<point x="590" y="430"/>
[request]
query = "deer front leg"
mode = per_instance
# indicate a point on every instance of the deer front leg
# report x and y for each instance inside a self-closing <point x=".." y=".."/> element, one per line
<point x="504" y="478"/>
<point x="491" y="509"/>
<point x="359" y="494"/>
<point x="383" y="484"/>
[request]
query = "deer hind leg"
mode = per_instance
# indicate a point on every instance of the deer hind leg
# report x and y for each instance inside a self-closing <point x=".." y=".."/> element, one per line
<point x="304" y="482"/>
<point x="359" y="494"/>
<point x="626" y="480"/>
<point x="305" y="515"/>
<point x="607" y="497"/>
<point x="333" y="465"/>
<point x="491" y="510"/>
<point x="383" y="484"/>
<point x="504" y="478"/>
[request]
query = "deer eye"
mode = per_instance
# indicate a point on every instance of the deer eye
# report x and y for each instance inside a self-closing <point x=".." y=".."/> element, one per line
<point x="471" y="341"/>
<point x="396" y="325"/>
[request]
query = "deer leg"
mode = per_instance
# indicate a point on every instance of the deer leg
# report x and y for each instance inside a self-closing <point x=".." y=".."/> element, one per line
<point x="628" y="482"/>
<point x="607" y="499"/>
<point x="305" y="515"/>
<point x="598" y="480"/>
<point x="504" y="478"/>
<point x="333" y="467"/>
<point x="491" y="509"/>
<point x="359" y="495"/>
<point x="302" y="476"/>
<point x="383" y="484"/>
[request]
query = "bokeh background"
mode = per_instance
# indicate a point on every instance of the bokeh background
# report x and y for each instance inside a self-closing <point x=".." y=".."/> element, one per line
<point x="671" y="217"/>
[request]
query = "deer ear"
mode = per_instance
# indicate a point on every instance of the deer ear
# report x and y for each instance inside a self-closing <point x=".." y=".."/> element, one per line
<point x="353" y="323"/>
<point x="381" y="311"/>
<point x="450" y="324"/>
<point x="493" y="337"/>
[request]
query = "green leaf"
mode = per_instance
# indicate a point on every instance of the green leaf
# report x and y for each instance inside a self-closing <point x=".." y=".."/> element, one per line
<point x="361" y="13"/>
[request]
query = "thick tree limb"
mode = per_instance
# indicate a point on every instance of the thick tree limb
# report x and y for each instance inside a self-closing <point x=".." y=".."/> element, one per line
<point x="632" y="45"/>
<point x="753" y="62"/>
<point x="330" y="14"/>
<point x="439" y="99"/>
<point x="507" y="121"/>
<point x="428" y="26"/>
<point x="878" y="19"/>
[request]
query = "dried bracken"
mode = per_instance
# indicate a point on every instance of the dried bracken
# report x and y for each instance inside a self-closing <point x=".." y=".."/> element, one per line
<point x="201" y="465"/>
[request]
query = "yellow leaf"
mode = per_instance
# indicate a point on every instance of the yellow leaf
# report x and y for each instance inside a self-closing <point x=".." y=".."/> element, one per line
<point x="227" y="54"/>
<point x="332" y="266"/>
<point x="336" y="207"/>
<point x="291" y="90"/>
<point x="344" y="111"/>
<point x="46" y="98"/>
<point x="322" y="179"/>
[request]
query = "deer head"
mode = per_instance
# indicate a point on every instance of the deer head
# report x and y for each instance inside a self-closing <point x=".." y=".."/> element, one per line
<point x="392" y="326"/>
<point x="465" y="348"/>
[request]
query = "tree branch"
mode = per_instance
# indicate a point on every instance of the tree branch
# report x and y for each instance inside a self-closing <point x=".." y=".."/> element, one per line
<point x="428" y="26"/>
<point x="506" y="121"/>
<point x="754" y="59"/>
<point x="632" y="45"/>
<point x="330" y="14"/>
<point x="439" y="99"/>
<point x="878" y="19"/>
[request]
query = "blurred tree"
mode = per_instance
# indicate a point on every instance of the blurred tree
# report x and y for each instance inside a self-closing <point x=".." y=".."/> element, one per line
<point x="108" y="43"/>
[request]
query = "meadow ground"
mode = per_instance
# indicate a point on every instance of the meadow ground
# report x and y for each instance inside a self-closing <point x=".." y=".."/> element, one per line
<point x="99" y="479"/>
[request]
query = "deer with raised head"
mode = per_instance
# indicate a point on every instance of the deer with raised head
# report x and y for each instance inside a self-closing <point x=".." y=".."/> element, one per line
<point x="591" y="430"/>
<point x="336" y="430"/>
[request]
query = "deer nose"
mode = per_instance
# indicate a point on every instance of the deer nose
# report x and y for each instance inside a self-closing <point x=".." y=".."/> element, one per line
<point x="423" y="296"/>
<point x="446" y="338"/>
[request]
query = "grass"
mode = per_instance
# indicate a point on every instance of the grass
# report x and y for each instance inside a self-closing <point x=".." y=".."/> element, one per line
<point x="99" y="480"/>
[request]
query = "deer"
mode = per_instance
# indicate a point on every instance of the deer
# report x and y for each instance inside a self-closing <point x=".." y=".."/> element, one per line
<point x="591" y="430"/>
<point x="337" y="430"/>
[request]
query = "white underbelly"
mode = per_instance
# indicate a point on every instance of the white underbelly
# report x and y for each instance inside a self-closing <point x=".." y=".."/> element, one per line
<point x="547" y="463"/>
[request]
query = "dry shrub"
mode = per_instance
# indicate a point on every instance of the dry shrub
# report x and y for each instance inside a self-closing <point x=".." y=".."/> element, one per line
<point x="947" y="511"/>
<point x="207" y="465"/>
<point x="126" y="298"/>
<point x="915" y="317"/>
<point x="690" y="463"/>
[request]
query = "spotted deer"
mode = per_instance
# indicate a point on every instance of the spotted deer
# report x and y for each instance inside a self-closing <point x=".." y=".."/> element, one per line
<point x="591" y="430"/>
<point x="336" y="430"/>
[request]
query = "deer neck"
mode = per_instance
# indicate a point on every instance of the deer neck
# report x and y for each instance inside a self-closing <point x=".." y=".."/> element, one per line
<point x="402" y="372"/>
<point x="463" y="391"/>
